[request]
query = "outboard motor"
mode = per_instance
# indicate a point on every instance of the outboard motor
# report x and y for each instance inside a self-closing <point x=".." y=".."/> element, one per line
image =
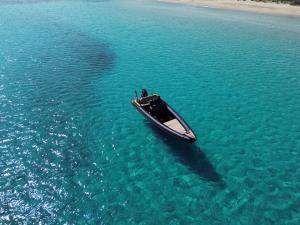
<point x="144" y="93"/>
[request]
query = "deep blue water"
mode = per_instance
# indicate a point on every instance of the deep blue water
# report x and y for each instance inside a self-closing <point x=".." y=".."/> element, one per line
<point x="74" y="151"/>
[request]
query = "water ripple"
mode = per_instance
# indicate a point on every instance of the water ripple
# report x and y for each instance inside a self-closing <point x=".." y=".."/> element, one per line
<point x="43" y="91"/>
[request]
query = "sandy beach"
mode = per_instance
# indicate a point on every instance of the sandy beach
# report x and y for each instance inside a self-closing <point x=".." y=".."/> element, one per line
<point x="251" y="6"/>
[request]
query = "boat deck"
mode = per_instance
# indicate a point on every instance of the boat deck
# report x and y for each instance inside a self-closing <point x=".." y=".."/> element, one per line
<point x="174" y="124"/>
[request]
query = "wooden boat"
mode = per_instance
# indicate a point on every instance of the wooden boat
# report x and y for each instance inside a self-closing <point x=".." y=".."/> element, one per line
<point x="164" y="117"/>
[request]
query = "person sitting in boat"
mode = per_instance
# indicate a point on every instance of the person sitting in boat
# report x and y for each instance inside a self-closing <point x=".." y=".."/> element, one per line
<point x="159" y="109"/>
<point x="144" y="93"/>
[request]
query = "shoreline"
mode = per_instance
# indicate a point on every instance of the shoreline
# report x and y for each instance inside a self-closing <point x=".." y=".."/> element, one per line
<point x="248" y="6"/>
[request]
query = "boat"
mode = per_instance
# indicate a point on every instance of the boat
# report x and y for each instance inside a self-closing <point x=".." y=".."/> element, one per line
<point x="154" y="108"/>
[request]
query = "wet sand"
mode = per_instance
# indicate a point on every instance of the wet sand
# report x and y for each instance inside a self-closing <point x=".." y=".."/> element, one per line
<point x="251" y="6"/>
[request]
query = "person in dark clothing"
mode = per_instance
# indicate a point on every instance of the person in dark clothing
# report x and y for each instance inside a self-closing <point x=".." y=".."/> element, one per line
<point x="144" y="93"/>
<point x="159" y="110"/>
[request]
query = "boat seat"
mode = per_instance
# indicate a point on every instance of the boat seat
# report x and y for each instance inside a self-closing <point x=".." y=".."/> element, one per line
<point x="148" y="99"/>
<point x="175" y="125"/>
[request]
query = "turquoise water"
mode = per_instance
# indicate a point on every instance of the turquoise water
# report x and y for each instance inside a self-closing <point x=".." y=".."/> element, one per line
<point x="74" y="150"/>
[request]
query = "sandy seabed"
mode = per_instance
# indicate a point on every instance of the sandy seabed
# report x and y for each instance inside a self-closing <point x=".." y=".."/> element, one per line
<point x="252" y="6"/>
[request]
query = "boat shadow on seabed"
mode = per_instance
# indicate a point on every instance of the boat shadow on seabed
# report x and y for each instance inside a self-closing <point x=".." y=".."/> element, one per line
<point x="190" y="155"/>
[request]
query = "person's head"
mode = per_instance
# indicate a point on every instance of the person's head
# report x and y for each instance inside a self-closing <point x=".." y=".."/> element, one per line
<point x="144" y="93"/>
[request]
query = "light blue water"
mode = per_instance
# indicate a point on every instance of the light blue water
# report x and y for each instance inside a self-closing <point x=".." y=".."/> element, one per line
<point x="74" y="151"/>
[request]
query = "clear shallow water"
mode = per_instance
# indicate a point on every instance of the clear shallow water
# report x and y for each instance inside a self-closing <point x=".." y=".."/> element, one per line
<point x="73" y="149"/>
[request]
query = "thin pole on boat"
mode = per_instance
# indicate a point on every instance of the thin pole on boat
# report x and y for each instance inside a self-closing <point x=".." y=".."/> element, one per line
<point x="136" y="95"/>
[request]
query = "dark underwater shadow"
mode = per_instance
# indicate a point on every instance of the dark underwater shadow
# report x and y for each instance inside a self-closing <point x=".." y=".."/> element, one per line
<point x="191" y="156"/>
<point x="54" y="81"/>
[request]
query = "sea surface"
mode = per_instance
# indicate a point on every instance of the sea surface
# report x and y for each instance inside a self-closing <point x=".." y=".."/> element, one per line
<point x="74" y="151"/>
